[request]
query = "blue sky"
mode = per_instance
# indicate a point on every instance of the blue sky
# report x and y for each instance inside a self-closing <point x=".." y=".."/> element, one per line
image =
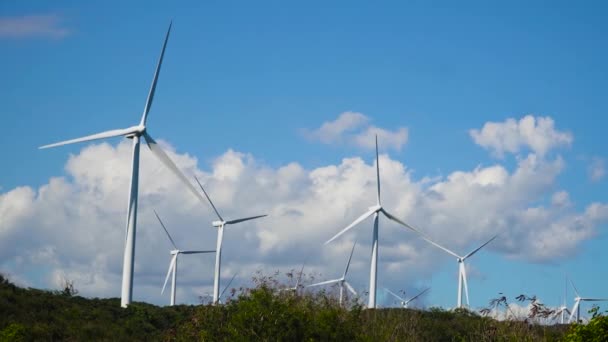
<point x="258" y="78"/>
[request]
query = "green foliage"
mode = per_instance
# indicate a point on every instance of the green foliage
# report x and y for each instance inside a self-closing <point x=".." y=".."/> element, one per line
<point x="262" y="313"/>
<point x="594" y="331"/>
<point x="13" y="332"/>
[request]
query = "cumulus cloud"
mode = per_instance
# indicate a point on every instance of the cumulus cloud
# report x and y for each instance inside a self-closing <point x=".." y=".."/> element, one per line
<point x="511" y="136"/>
<point x="355" y="129"/>
<point x="33" y="26"/>
<point x="72" y="227"/>
<point x="596" y="169"/>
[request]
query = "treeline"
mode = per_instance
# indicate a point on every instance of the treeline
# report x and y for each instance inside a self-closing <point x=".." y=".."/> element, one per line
<point x="261" y="313"/>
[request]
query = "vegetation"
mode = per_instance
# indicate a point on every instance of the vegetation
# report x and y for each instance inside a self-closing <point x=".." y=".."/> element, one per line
<point x="594" y="331"/>
<point x="262" y="313"/>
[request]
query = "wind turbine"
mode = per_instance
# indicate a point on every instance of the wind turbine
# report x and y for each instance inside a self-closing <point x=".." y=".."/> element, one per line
<point x="576" y="309"/>
<point x="462" y="273"/>
<point x="341" y="281"/>
<point x="220" y="236"/>
<point x="297" y="285"/>
<point x="173" y="264"/>
<point x="134" y="133"/>
<point x="562" y="311"/>
<point x="405" y="302"/>
<point x="374" y="210"/>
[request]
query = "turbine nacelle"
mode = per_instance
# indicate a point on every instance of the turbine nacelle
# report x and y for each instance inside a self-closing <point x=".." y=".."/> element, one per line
<point x="218" y="223"/>
<point x="376" y="208"/>
<point x="135" y="131"/>
<point x="174" y="252"/>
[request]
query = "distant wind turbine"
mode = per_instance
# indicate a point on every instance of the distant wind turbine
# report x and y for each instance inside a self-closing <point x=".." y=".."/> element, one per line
<point x="405" y="302"/>
<point x="462" y="273"/>
<point x="173" y="264"/>
<point x="298" y="280"/>
<point x="374" y="210"/>
<point x="576" y="309"/>
<point x="341" y="281"/>
<point x="220" y="236"/>
<point x="561" y="312"/>
<point x="134" y="133"/>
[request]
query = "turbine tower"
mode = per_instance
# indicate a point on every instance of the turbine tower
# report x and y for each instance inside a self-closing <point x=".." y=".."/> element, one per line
<point x="576" y="309"/>
<point x="220" y="236"/>
<point x="462" y="273"/>
<point x="173" y="264"/>
<point x="341" y="281"/>
<point x="135" y="133"/>
<point x="405" y="302"/>
<point x="374" y="210"/>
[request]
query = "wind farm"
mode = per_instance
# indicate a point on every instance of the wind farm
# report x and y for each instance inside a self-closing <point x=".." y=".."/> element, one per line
<point x="316" y="164"/>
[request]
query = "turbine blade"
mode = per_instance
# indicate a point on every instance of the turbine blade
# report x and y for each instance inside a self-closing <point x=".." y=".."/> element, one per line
<point x="106" y="134"/>
<point x="144" y="116"/>
<point x="419" y="233"/>
<point x="416" y="296"/>
<point x="350" y="288"/>
<point x="574" y="287"/>
<point x="349" y="259"/>
<point x="196" y="252"/>
<point x="576" y="304"/>
<point x="227" y="286"/>
<point x="594" y="299"/>
<point x="209" y="199"/>
<point x="480" y="247"/>
<point x="394" y="294"/>
<point x="325" y="282"/>
<point x="377" y="170"/>
<point x="244" y="219"/>
<point x="165" y="228"/>
<point x="164" y="158"/>
<point x="171" y="265"/>
<point x="357" y="221"/>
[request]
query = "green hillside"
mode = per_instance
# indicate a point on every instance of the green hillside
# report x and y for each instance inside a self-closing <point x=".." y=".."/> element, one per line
<point x="258" y="314"/>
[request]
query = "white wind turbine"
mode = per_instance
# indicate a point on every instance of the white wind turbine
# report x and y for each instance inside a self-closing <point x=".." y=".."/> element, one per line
<point x="297" y="285"/>
<point x="134" y="133"/>
<point x="173" y="264"/>
<point x="462" y="273"/>
<point x="341" y="281"/>
<point x="561" y="312"/>
<point x="576" y="309"/>
<point x="374" y="210"/>
<point x="405" y="302"/>
<point x="220" y="236"/>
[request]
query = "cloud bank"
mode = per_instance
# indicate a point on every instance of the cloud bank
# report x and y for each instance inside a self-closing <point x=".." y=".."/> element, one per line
<point x="72" y="227"/>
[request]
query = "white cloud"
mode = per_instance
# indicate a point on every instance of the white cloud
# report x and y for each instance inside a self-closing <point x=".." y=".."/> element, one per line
<point x="597" y="169"/>
<point x="43" y="26"/>
<point x="73" y="226"/>
<point x="560" y="199"/>
<point x="511" y="136"/>
<point x="354" y="128"/>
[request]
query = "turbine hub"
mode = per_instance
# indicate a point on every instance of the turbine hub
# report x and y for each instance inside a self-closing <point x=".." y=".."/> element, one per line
<point x="137" y="131"/>
<point x="376" y="208"/>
